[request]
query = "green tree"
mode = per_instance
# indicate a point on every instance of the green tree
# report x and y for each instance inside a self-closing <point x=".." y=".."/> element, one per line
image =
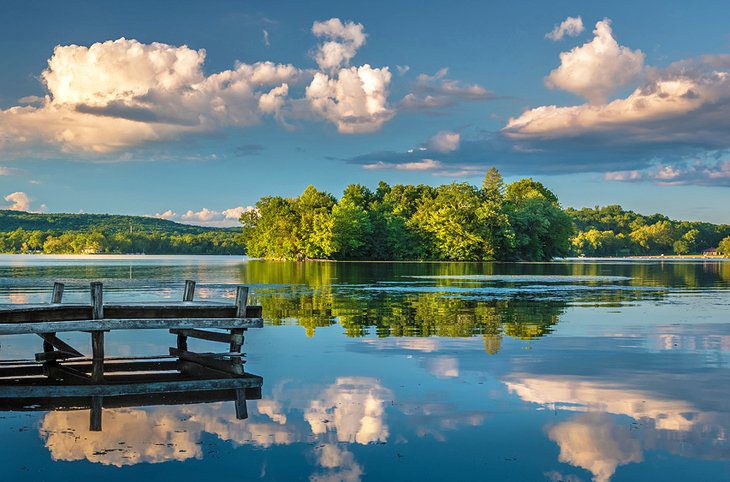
<point x="272" y="229"/>
<point x="724" y="246"/>
<point x="351" y="230"/>
<point x="460" y="224"/>
<point x="542" y="229"/>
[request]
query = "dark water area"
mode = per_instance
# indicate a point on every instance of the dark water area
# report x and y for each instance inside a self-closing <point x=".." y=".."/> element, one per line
<point x="574" y="370"/>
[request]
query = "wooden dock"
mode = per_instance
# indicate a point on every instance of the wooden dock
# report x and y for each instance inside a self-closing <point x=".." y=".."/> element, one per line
<point x="61" y="375"/>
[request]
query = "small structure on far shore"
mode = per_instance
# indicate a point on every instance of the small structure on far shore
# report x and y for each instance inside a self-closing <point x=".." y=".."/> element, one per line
<point x="711" y="252"/>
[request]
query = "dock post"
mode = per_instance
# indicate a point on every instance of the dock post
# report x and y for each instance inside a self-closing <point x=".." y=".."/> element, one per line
<point x="95" y="413"/>
<point x="189" y="290"/>
<point x="57" y="292"/>
<point x="241" y="408"/>
<point x="97" y="336"/>
<point x="188" y="294"/>
<point x="241" y="300"/>
<point x="56" y="297"/>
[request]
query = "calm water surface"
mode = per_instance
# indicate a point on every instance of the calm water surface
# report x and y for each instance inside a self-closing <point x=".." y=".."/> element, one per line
<point x="570" y="371"/>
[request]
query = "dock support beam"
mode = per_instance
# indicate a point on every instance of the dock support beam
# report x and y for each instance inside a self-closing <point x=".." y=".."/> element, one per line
<point x="241" y="408"/>
<point x="241" y="301"/>
<point x="95" y="413"/>
<point x="97" y="337"/>
<point x="56" y="298"/>
<point x="188" y="294"/>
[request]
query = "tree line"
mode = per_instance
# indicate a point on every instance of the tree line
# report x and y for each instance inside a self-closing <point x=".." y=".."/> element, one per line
<point x="101" y="242"/>
<point x="612" y="231"/>
<point x="457" y="221"/>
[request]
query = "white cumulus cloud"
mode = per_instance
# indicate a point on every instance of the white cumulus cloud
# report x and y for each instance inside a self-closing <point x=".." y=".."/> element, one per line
<point x="445" y="141"/>
<point x="571" y="26"/>
<point x="122" y="93"/>
<point x="432" y="92"/>
<point x="205" y="216"/>
<point x="422" y="165"/>
<point x="343" y="41"/>
<point x="685" y="103"/>
<point x="355" y="98"/>
<point x="19" y="201"/>
<point x="598" y="67"/>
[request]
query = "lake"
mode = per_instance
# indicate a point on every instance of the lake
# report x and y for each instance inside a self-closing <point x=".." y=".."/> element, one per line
<point x="575" y="371"/>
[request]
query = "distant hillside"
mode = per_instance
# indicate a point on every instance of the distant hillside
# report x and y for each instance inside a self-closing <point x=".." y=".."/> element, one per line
<point x="108" y="223"/>
<point x="22" y="232"/>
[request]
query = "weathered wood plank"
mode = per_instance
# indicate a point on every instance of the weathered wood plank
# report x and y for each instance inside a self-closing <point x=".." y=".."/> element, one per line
<point x="129" y="324"/>
<point x="21" y="371"/>
<point x="68" y="374"/>
<point x="170" y="398"/>
<point x="24" y="391"/>
<point x="59" y="344"/>
<point x="54" y="355"/>
<point x="73" y="312"/>
<point x="224" y="363"/>
<point x="210" y="335"/>
<point x="197" y="370"/>
<point x="84" y="366"/>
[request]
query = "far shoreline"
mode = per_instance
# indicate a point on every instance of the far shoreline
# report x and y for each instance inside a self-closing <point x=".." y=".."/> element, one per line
<point x="141" y="256"/>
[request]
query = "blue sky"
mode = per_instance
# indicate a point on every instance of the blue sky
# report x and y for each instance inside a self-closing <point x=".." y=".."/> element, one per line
<point x="205" y="107"/>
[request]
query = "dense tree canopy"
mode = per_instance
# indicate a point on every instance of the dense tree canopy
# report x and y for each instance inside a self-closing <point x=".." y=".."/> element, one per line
<point x="458" y="221"/>
<point x="612" y="231"/>
<point x="455" y="221"/>
<point x="99" y="242"/>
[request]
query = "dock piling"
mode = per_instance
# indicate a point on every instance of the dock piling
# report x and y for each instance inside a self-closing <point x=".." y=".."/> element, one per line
<point x="241" y="301"/>
<point x="97" y="336"/>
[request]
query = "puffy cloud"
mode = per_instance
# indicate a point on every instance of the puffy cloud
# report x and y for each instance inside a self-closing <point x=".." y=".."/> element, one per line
<point x="273" y="410"/>
<point x="443" y="367"/>
<point x="272" y="101"/>
<point x="154" y="435"/>
<point x="422" y="165"/>
<point x="432" y="92"/>
<point x="355" y="409"/>
<point x="122" y="93"/>
<point x="355" y="98"/>
<point x="679" y="112"/>
<point x="445" y="141"/>
<point x="20" y="201"/>
<point x="575" y="393"/>
<point x="340" y="464"/>
<point x="598" y="67"/>
<point x="692" y="173"/>
<point x="571" y="26"/>
<point x="169" y="214"/>
<point x="344" y="39"/>
<point x="593" y="442"/>
<point x="420" y="344"/>
<point x="206" y="217"/>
